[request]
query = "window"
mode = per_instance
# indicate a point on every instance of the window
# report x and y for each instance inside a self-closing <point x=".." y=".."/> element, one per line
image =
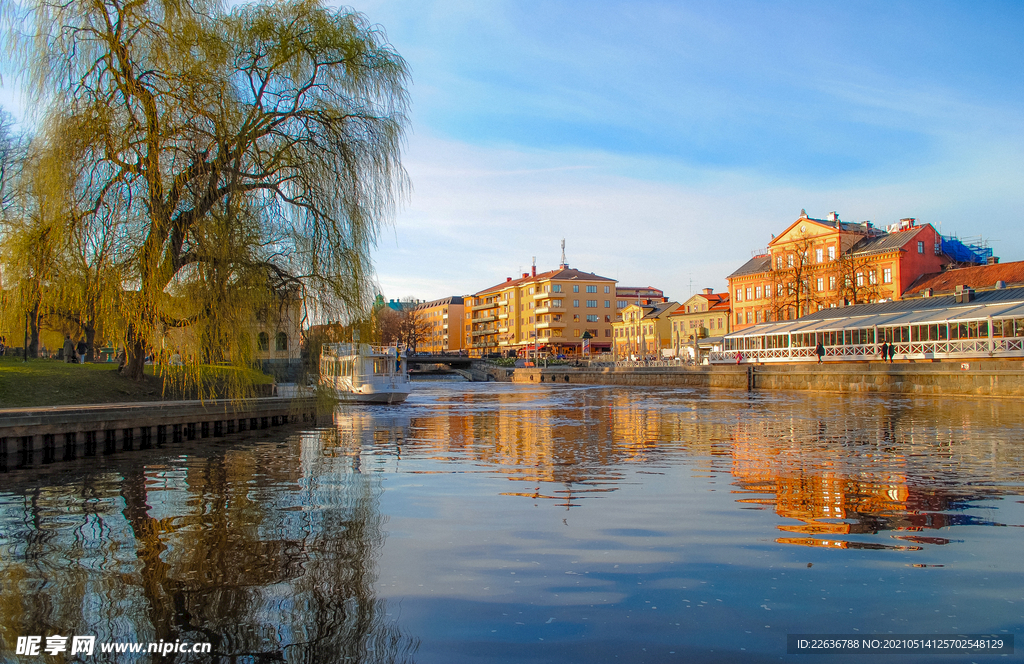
<point x="757" y="293"/>
<point x="575" y="303"/>
<point x="832" y="283"/>
<point x="575" y="288"/>
<point x="591" y="318"/>
<point x="739" y="294"/>
<point x="607" y="319"/>
<point x="768" y="290"/>
<point x="819" y="255"/>
<point x="872" y="277"/>
<point x="263" y="341"/>
<point x="607" y="289"/>
<point x="591" y="289"/>
<point x="920" y="247"/>
<point x="282" y="341"/>
<point x="860" y="278"/>
<point x="832" y="253"/>
<point x="575" y="333"/>
<point x="789" y="260"/>
<point x="607" y="304"/>
<point x="556" y="303"/>
<point x="821" y="283"/>
<point x="592" y="304"/>
<point x="622" y="304"/>
<point x="557" y="288"/>
<point x="531" y="291"/>
<point x="778" y="262"/>
<point x="575" y="318"/>
<point x="607" y="333"/>
<point x="887" y="275"/>
<point x="739" y="317"/>
<point x="748" y="293"/>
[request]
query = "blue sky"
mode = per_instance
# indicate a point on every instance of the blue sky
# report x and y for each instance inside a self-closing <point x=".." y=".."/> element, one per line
<point x="667" y="141"/>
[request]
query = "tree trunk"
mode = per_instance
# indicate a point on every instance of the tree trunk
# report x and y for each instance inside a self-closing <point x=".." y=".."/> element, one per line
<point x="135" y="360"/>
<point x="90" y="338"/>
<point x="33" y="332"/>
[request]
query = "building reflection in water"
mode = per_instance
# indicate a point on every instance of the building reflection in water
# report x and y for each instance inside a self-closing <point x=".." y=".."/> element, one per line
<point x="835" y="469"/>
<point x="267" y="552"/>
<point x="845" y="472"/>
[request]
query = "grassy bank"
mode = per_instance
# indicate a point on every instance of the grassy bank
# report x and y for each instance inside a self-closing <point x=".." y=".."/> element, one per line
<point x="54" y="383"/>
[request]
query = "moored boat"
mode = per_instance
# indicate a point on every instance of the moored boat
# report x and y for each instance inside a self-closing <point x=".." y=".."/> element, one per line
<point x="363" y="373"/>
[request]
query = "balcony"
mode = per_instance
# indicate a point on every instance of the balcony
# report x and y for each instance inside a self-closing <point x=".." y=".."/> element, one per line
<point x="503" y="329"/>
<point x="502" y="316"/>
<point x="477" y="333"/>
<point x="487" y="305"/>
<point x="485" y="319"/>
<point x="551" y="325"/>
<point x="549" y="310"/>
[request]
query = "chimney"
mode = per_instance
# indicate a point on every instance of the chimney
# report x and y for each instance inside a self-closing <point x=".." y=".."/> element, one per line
<point x="708" y="291"/>
<point x="993" y="260"/>
<point x="1000" y="284"/>
<point x="533" y="270"/>
<point x="525" y="274"/>
<point x="508" y="279"/>
<point x="927" y="292"/>
<point x="833" y="216"/>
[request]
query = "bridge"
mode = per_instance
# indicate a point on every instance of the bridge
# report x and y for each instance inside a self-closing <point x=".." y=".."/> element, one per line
<point x="470" y="368"/>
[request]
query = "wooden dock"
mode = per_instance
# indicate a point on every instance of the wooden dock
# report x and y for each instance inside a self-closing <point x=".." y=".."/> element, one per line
<point x="55" y="433"/>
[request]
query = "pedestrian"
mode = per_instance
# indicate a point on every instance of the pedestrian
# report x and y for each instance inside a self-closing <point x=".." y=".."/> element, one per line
<point x="739" y="357"/>
<point x="892" y="352"/>
<point x="819" y="350"/>
<point x="3" y="346"/>
<point x="69" y="349"/>
<point x="80" y="349"/>
<point x="885" y="350"/>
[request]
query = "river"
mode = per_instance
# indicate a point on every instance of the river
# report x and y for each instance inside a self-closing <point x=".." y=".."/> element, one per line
<point x="513" y="523"/>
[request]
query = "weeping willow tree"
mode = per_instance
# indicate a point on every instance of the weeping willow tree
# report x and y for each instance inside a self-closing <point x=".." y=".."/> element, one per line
<point x="231" y="155"/>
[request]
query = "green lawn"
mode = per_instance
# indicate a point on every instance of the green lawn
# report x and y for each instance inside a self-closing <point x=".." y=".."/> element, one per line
<point x="54" y="383"/>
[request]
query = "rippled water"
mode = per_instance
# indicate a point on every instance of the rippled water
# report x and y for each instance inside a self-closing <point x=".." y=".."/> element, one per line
<point x="507" y="523"/>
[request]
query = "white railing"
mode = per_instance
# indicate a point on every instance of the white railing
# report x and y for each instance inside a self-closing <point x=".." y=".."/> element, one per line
<point x="912" y="350"/>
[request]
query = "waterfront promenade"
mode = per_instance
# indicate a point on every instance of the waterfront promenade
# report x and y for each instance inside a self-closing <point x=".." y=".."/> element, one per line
<point x="990" y="378"/>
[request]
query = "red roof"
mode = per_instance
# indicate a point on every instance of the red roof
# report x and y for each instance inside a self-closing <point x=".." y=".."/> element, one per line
<point x="979" y="277"/>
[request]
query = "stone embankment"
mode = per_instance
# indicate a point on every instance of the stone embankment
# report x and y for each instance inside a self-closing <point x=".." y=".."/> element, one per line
<point x="995" y="378"/>
<point x="29" y="435"/>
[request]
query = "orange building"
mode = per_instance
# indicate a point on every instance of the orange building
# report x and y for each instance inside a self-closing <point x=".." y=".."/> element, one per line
<point x="819" y="263"/>
<point x="440" y="323"/>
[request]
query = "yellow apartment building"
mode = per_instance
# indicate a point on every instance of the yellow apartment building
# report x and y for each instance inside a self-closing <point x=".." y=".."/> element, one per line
<point x="644" y="331"/>
<point x="547" y="312"/>
<point x="705" y="314"/>
<point x="441" y="327"/>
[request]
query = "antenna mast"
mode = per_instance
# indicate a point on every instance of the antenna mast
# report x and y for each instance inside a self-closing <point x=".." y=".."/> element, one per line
<point x="563" y="264"/>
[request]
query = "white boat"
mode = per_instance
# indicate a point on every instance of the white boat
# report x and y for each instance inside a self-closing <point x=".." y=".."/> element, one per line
<point x="364" y="373"/>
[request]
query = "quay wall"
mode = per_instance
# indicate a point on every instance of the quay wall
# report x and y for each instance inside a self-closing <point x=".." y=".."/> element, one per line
<point x="49" y="434"/>
<point x="994" y="378"/>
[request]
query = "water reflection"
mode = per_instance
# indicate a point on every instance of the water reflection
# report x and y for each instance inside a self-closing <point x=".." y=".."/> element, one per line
<point x="550" y="523"/>
<point x="265" y="551"/>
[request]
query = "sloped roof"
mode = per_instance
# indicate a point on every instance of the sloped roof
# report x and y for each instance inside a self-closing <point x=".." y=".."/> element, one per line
<point x="657" y="310"/>
<point x="564" y="274"/>
<point x="977" y="277"/>
<point x="755" y="265"/>
<point x="887" y="242"/>
<point x="454" y="299"/>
